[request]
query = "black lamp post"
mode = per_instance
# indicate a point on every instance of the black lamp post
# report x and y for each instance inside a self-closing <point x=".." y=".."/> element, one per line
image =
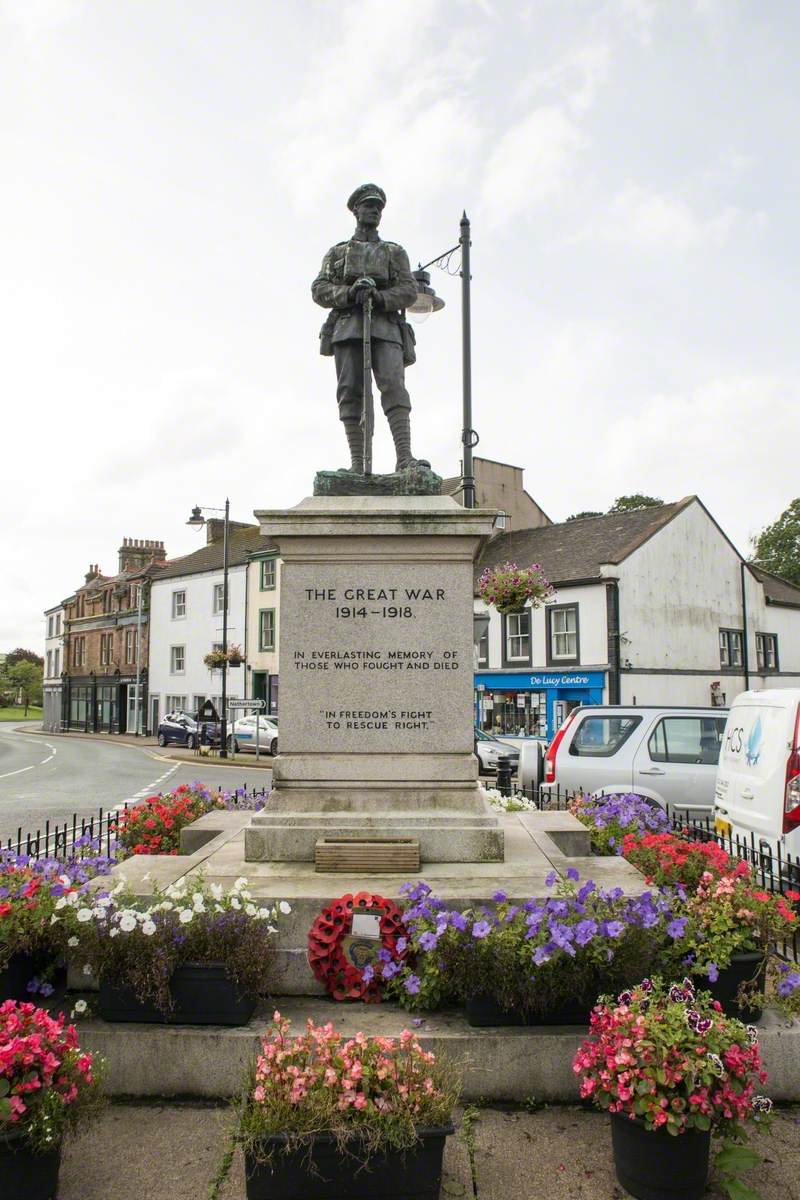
<point x="197" y="521"/>
<point x="427" y="302"/>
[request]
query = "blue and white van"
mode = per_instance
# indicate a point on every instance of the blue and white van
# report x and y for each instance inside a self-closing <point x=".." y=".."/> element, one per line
<point x="757" y="793"/>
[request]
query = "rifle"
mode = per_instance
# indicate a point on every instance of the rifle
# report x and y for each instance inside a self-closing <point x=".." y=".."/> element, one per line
<point x="368" y="408"/>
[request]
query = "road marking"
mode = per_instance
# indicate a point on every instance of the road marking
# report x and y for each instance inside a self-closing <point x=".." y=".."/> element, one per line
<point x="20" y="771"/>
<point x="46" y="760"/>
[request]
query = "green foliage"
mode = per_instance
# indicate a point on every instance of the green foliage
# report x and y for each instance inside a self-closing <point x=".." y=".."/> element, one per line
<point x="777" y="547"/>
<point x="579" y="516"/>
<point x="22" y="679"/>
<point x="729" y="1163"/>
<point x="633" y="502"/>
<point x="21" y="655"/>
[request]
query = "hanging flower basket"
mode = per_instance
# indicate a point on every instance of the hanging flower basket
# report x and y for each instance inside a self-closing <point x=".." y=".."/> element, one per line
<point x="216" y="659"/>
<point x="509" y="588"/>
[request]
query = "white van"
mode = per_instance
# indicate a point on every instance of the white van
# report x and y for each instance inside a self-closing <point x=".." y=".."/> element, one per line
<point x="757" y="794"/>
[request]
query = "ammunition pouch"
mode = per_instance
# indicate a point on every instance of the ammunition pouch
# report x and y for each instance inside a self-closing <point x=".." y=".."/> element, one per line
<point x="409" y="343"/>
<point x="326" y="334"/>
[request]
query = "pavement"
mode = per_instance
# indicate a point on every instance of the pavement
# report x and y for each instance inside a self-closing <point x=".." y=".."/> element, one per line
<point x="48" y="777"/>
<point x="171" y="1152"/>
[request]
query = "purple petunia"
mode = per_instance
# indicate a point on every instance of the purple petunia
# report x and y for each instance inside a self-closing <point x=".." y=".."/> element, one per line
<point x="368" y="973"/>
<point x="585" y="931"/>
<point x="713" y="972"/>
<point x="550" y="880"/>
<point x="402" y="945"/>
<point x="677" y="927"/>
<point x="542" y="954"/>
<point x="428" y="941"/>
<point x="480" y="929"/>
<point x="500" y="897"/>
<point x="458" y="921"/>
<point x="412" y="985"/>
<point x="573" y="874"/>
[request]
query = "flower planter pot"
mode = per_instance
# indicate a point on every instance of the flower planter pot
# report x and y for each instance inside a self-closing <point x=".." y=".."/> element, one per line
<point x="203" y="994"/>
<point x="657" y="1166"/>
<point x="744" y="968"/>
<point x="27" y="1175"/>
<point x="483" y="1011"/>
<point x="323" y="1173"/>
<point x="16" y="975"/>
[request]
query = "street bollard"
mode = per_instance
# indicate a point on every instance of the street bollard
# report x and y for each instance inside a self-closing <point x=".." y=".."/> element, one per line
<point x="504" y="775"/>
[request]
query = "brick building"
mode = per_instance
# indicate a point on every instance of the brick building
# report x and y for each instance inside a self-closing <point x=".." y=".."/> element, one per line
<point x="106" y="642"/>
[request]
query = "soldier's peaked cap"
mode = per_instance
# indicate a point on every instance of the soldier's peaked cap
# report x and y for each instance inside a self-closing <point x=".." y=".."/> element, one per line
<point x="367" y="191"/>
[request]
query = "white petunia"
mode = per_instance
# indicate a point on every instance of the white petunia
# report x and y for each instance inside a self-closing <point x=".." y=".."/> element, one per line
<point x="87" y="968"/>
<point x="73" y="941"/>
<point x="240" y="883"/>
<point x="53" y="919"/>
<point x="285" y="907"/>
<point x="235" y="902"/>
<point x="61" y="902"/>
<point x="103" y="902"/>
<point x="250" y="909"/>
<point x="65" y="879"/>
<point x="99" y="913"/>
<point x="73" y="898"/>
<point x="128" y="922"/>
<point x="84" y="915"/>
<point x="113" y="932"/>
<point x="185" y="916"/>
<point x="79" y="1007"/>
<point x="216" y="891"/>
<point x="148" y="928"/>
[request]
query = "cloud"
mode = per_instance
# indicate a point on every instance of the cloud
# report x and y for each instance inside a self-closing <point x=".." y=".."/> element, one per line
<point x="38" y="16"/>
<point x="637" y="216"/>
<point x="388" y="95"/>
<point x="576" y="77"/>
<point x="530" y="163"/>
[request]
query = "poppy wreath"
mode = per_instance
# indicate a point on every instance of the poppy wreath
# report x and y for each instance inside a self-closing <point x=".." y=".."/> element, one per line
<point x="326" y="957"/>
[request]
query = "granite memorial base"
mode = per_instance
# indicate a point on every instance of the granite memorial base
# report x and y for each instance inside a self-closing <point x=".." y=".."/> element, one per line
<point x="376" y="671"/>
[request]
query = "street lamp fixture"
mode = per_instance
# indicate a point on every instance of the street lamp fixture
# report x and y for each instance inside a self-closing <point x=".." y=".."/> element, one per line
<point x="197" y="521"/>
<point x="427" y="302"/>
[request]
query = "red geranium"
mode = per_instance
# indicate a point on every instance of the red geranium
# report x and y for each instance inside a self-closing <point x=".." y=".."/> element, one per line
<point x="154" y="826"/>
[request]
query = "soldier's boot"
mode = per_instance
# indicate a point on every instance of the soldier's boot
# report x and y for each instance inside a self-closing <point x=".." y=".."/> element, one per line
<point x="355" y="440"/>
<point x="400" y="425"/>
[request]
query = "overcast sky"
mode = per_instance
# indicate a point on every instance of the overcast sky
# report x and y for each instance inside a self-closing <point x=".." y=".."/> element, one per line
<point x="174" y="170"/>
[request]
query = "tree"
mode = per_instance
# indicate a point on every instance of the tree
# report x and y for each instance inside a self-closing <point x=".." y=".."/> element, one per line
<point x="580" y="515"/>
<point x="777" y="547"/>
<point x="21" y="655"/>
<point x="634" y="502"/>
<point x="25" y="680"/>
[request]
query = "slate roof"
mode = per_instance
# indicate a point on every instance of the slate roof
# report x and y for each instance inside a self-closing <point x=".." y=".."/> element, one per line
<point x="575" y="550"/>
<point x="777" y="590"/>
<point x="241" y="544"/>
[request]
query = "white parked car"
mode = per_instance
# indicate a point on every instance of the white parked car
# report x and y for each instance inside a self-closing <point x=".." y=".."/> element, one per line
<point x="757" y="795"/>
<point x="668" y="755"/>
<point x="243" y="734"/>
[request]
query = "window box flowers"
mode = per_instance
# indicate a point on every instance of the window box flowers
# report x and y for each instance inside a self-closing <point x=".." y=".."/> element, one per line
<point x="333" y="1119"/>
<point x="154" y="826"/>
<point x="610" y="818"/>
<point x="216" y="659"/>
<point x="731" y="928"/>
<point x="510" y="588"/>
<point x="664" y="1060"/>
<point x="48" y="1089"/>
<point x="33" y="895"/>
<point x="194" y="954"/>
<point x="538" y="962"/>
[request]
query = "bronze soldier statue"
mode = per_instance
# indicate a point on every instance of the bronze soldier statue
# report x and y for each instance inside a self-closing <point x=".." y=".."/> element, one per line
<point x="360" y="270"/>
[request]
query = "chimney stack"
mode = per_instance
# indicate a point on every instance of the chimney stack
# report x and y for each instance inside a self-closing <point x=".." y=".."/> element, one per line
<point x="137" y="553"/>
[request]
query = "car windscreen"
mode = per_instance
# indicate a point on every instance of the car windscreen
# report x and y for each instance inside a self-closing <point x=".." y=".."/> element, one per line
<point x="602" y="736"/>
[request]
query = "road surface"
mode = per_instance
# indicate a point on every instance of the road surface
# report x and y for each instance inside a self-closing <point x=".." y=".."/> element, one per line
<point x="45" y="778"/>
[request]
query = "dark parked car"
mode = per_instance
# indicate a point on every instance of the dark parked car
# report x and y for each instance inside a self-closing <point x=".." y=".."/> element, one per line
<point x="182" y="729"/>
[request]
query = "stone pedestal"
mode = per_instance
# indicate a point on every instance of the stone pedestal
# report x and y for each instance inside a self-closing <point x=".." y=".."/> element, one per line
<point x="376" y="678"/>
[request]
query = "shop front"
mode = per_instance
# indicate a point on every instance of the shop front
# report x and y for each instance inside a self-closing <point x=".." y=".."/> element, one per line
<point x="533" y="704"/>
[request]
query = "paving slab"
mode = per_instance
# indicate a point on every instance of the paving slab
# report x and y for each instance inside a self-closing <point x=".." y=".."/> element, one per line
<point x="564" y="1153"/>
<point x="171" y="1152"/>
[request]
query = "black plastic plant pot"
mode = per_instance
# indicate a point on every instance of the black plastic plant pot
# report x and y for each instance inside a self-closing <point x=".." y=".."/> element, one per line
<point x="235" y="662"/>
<point x="484" y="1011"/>
<point x="202" y="993"/>
<point x="748" y="968"/>
<point x="15" y="977"/>
<point x="25" y="1175"/>
<point x="323" y="1172"/>
<point x="657" y="1166"/>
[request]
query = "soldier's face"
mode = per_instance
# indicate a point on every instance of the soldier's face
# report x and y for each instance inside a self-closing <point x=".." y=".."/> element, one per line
<point x="369" y="213"/>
